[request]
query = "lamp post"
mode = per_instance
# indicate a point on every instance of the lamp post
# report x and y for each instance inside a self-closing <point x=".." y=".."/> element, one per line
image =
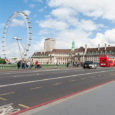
<point x="105" y="48"/>
<point x="84" y="54"/>
<point x="18" y="39"/>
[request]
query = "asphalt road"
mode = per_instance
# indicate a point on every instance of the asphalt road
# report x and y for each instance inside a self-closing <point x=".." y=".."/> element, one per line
<point x="28" y="88"/>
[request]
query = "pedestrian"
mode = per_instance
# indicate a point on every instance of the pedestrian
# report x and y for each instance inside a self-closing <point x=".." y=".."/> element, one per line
<point x="57" y="64"/>
<point x="28" y="64"/>
<point x="18" y="64"/>
<point x="68" y="64"/>
<point x="31" y="65"/>
<point x="23" y="65"/>
<point x="36" y="65"/>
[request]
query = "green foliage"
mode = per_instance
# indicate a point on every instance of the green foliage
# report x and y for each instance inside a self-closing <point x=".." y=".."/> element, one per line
<point x="2" y="61"/>
<point x="14" y="58"/>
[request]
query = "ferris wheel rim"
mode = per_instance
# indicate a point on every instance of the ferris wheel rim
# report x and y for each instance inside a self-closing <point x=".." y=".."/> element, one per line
<point x="28" y="39"/>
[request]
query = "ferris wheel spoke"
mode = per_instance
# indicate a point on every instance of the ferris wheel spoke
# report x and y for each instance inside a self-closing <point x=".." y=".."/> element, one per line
<point x="27" y="45"/>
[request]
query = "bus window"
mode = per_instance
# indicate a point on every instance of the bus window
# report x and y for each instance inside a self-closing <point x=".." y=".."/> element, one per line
<point x="110" y="61"/>
<point x="103" y="61"/>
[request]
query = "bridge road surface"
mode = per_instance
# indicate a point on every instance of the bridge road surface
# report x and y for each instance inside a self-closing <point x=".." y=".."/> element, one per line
<point x="29" y="88"/>
<point x="95" y="101"/>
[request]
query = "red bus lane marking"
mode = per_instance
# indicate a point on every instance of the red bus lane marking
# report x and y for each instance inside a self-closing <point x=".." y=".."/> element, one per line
<point x="68" y="95"/>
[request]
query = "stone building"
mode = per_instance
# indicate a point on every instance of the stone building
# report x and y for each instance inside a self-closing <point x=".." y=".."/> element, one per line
<point x="62" y="56"/>
<point x="51" y="55"/>
<point x="49" y="44"/>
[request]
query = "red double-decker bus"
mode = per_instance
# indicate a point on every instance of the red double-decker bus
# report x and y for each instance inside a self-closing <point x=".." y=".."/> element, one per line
<point x="107" y="61"/>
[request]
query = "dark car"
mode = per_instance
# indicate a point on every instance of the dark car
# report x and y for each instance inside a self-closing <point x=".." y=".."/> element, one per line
<point x="94" y="65"/>
<point x="86" y="64"/>
<point x="90" y="64"/>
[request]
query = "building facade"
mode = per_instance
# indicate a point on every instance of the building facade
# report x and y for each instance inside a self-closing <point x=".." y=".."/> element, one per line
<point x="63" y="56"/>
<point x="49" y="44"/>
<point x="51" y="55"/>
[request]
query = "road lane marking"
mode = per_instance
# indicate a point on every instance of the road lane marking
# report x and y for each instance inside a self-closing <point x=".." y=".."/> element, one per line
<point x="31" y="72"/>
<point x="7" y="93"/>
<point x="72" y="80"/>
<point x="3" y="99"/>
<point x="56" y="84"/>
<point x="63" y="77"/>
<point x="84" y="78"/>
<point x="24" y="106"/>
<point x="35" y="88"/>
<point x="36" y="71"/>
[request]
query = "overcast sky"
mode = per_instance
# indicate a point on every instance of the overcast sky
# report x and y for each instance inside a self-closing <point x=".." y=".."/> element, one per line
<point x="84" y="21"/>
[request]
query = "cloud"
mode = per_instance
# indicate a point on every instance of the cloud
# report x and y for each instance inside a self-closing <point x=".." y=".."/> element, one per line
<point x="38" y="46"/>
<point x="108" y="37"/>
<point x="10" y="52"/>
<point x="103" y="8"/>
<point x="17" y="22"/>
<point x="27" y="12"/>
<point x="63" y="13"/>
<point x="78" y="20"/>
<point x="45" y="32"/>
<point x="81" y="38"/>
<point x="32" y="5"/>
<point x="64" y="38"/>
<point x="87" y="25"/>
<point x="53" y="24"/>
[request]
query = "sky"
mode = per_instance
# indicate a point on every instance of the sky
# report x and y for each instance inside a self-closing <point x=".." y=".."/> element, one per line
<point x="88" y="22"/>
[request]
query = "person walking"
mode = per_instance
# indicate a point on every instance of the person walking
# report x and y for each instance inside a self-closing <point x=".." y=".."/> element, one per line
<point x="23" y="65"/>
<point x="36" y="65"/>
<point x="68" y="64"/>
<point x="18" y="64"/>
<point x="28" y="65"/>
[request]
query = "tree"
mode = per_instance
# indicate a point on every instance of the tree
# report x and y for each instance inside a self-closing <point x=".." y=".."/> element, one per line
<point x="2" y="61"/>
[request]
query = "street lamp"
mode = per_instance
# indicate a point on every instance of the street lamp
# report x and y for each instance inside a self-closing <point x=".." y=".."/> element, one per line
<point x="18" y="39"/>
<point x="84" y="54"/>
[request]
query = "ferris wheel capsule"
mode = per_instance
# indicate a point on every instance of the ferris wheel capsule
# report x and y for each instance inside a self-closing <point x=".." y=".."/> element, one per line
<point x="25" y="17"/>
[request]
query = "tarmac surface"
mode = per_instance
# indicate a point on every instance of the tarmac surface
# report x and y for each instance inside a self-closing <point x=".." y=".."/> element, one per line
<point x="27" y="89"/>
<point x="96" y="101"/>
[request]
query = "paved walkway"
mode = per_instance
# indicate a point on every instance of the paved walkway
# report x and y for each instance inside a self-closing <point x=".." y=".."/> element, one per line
<point x="96" y="101"/>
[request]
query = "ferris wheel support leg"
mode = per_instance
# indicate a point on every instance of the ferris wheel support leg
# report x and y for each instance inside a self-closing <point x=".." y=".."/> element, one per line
<point x="19" y="49"/>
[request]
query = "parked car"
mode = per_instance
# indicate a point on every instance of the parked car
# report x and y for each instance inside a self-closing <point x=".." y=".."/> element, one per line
<point x="94" y="65"/>
<point x="90" y="64"/>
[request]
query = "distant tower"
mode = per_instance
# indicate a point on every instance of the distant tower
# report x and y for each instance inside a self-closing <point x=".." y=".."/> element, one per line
<point x="49" y="44"/>
<point x="73" y="46"/>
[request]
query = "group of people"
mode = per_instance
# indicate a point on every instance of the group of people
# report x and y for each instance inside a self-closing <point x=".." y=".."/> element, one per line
<point x="73" y="64"/>
<point x="24" y="64"/>
<point x="21" y="64"/>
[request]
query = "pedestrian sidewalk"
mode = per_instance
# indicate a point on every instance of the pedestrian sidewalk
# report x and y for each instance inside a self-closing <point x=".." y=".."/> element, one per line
<point x="96" y="101"/>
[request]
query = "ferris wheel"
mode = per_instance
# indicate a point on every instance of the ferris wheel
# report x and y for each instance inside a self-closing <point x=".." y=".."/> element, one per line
<point x="26" y="48"/>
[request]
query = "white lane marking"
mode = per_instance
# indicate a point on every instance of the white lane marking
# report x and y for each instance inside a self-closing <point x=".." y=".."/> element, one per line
<point x="31" y="72"/>
<point x="50" y="70"/>
<point x="35" y="71"/>
<point x="39" y="70"/>
<point x="63" y="77"/>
